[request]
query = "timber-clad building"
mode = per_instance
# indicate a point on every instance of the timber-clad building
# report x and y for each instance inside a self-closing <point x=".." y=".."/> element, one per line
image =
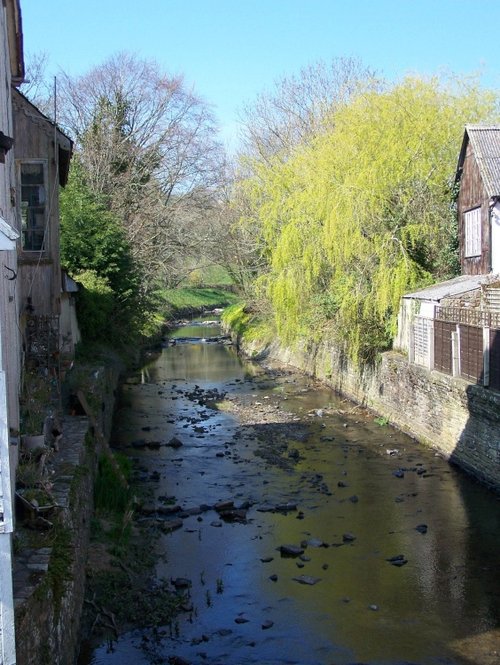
<point x="454" y="327"/>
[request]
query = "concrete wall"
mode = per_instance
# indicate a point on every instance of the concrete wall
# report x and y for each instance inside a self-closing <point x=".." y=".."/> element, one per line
<point x="458" y="419"/>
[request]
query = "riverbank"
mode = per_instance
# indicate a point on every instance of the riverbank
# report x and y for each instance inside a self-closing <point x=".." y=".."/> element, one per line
<point x="458" y="419"/>
<point x="52" y="533"/>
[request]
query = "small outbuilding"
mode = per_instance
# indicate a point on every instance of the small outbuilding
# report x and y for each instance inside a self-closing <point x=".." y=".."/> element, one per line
<point x="454" y="326"/>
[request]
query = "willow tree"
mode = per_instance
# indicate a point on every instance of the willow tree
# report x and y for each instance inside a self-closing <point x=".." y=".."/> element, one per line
<point x="359" y="216"/>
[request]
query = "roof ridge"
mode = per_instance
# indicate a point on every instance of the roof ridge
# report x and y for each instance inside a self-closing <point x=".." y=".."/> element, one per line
<point x="482" y="127"/>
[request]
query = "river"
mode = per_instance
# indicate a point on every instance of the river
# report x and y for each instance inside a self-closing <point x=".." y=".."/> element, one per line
<point x="399" y="559"/>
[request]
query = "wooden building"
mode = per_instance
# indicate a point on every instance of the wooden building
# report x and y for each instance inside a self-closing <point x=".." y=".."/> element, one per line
<point x="454" y="326"/>
<point x="43" y="155"/>
<point x="478" y="204"/>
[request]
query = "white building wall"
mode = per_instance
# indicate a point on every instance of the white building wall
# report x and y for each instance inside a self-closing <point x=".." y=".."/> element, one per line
<point x="9" y="355"/>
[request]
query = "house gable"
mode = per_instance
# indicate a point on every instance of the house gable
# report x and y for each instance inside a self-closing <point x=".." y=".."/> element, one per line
<point x="473" y="210"/>
<point x="42" y="162"/>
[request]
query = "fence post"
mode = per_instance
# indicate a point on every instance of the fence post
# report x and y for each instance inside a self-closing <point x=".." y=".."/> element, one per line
<point x="455" y="351"/>
<point x="411" y="346"/>
<point x="486" y="356"/>
<point x="430" y="339"/>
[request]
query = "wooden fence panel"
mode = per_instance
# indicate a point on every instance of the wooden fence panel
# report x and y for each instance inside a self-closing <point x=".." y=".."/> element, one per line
<point x="443" y="355"/>
<point x="495" y="359"/>
<point x="471" y="353"/>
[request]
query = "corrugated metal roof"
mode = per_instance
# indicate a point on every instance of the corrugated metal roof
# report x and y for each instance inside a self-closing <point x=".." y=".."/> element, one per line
<point x="453" y="287"/>
<point x="485" y="142"/>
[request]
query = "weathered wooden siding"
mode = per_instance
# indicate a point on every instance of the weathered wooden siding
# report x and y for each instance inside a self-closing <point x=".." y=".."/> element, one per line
<point x="443" y="356"/>
<point x="10" y="360"/>
<point x="40" y="277"/>
<point x="472" y="194"/>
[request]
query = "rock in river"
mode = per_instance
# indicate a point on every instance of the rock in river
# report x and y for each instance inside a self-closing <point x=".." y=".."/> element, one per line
<point x="398" y="560"/>
<point x="291" y="550"/>
<point x="307" y="579"/>
<point x="174" y="443"/>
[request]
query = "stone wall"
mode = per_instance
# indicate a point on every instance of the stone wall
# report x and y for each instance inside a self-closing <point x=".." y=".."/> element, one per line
<point x="49" y="582"/>
<point x="458" y="419"/>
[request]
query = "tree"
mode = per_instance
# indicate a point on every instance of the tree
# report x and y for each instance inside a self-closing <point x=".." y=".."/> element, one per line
<point x="360" y="214"/>
<point x="300" y="107"/>
<point x="95" y="250"/>
<point x="148" y="147"/>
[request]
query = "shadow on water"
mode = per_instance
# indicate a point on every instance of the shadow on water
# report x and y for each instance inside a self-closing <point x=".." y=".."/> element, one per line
<point x="311" y="470"/>
<point x="478" y="450"/>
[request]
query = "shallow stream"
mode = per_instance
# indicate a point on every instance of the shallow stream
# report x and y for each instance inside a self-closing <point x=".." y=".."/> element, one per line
<point x="400" y="551"/>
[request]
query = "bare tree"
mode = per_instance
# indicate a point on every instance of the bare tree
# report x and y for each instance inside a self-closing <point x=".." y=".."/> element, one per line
<point x="300" y="106"/>
<point x="37" y="87"/>
<point x="149" y="147"/>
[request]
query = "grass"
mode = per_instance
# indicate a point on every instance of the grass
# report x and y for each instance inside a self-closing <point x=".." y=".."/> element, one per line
<point x="246" y="325"/>
<point x="190" y="298"/>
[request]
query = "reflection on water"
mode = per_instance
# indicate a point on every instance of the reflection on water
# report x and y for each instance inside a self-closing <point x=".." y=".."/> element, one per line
<point x="359" y="502"/>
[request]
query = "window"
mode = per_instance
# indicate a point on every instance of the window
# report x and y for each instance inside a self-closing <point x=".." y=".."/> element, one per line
<point x="33" y="205"/>
<point x="472" y="227"/>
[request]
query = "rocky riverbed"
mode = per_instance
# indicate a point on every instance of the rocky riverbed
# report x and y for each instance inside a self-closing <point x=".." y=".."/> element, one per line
<point x="291" y="526"/>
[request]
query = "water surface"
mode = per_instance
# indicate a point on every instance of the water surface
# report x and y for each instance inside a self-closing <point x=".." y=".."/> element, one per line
<point x="360" y="488"/>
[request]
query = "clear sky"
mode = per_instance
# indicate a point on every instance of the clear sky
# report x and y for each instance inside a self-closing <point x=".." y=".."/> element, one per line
<point x="229" y="50"/>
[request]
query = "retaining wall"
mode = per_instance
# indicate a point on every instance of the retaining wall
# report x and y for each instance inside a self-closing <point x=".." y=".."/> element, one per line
<point x="49" y="582"/>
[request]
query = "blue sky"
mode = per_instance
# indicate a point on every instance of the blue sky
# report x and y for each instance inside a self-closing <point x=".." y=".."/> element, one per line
<point x="229" y="50"/>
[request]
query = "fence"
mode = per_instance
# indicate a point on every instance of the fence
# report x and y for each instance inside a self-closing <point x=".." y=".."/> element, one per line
<point x="461" y="342"/>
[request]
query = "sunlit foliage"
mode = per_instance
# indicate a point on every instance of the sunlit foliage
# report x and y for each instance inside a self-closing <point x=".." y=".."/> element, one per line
<point x="364" y="213"/>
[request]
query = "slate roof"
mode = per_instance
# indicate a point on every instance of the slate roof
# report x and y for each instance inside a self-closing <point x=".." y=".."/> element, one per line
<point x="485" y="143"/>
<point x="453" y="287"/>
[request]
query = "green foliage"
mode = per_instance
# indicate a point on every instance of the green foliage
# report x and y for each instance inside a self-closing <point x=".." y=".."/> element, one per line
<point x="95" y="251"/>
<point x="92" y="238"/>
<point x="246" y="324"/>
<point x="362" y="214"/>
<point x="110" y="495"/>
<point x="96" y="304"/>
<point x="151" y="606"/>
<point x="237" y="318"/>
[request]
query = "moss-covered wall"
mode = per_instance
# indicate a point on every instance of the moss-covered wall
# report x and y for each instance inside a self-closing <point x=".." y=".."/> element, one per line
<point x="50" y="588"/>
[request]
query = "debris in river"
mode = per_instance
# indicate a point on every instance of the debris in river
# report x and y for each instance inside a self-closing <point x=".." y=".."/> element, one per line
<point x="181" y="583"/>
<point x="241" y="619"/>
<point x="421" y="528"/>
<point x="170" y="525"/>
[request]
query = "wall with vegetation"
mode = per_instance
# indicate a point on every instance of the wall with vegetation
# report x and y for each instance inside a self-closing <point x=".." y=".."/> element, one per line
<point x="48" y="615"/>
